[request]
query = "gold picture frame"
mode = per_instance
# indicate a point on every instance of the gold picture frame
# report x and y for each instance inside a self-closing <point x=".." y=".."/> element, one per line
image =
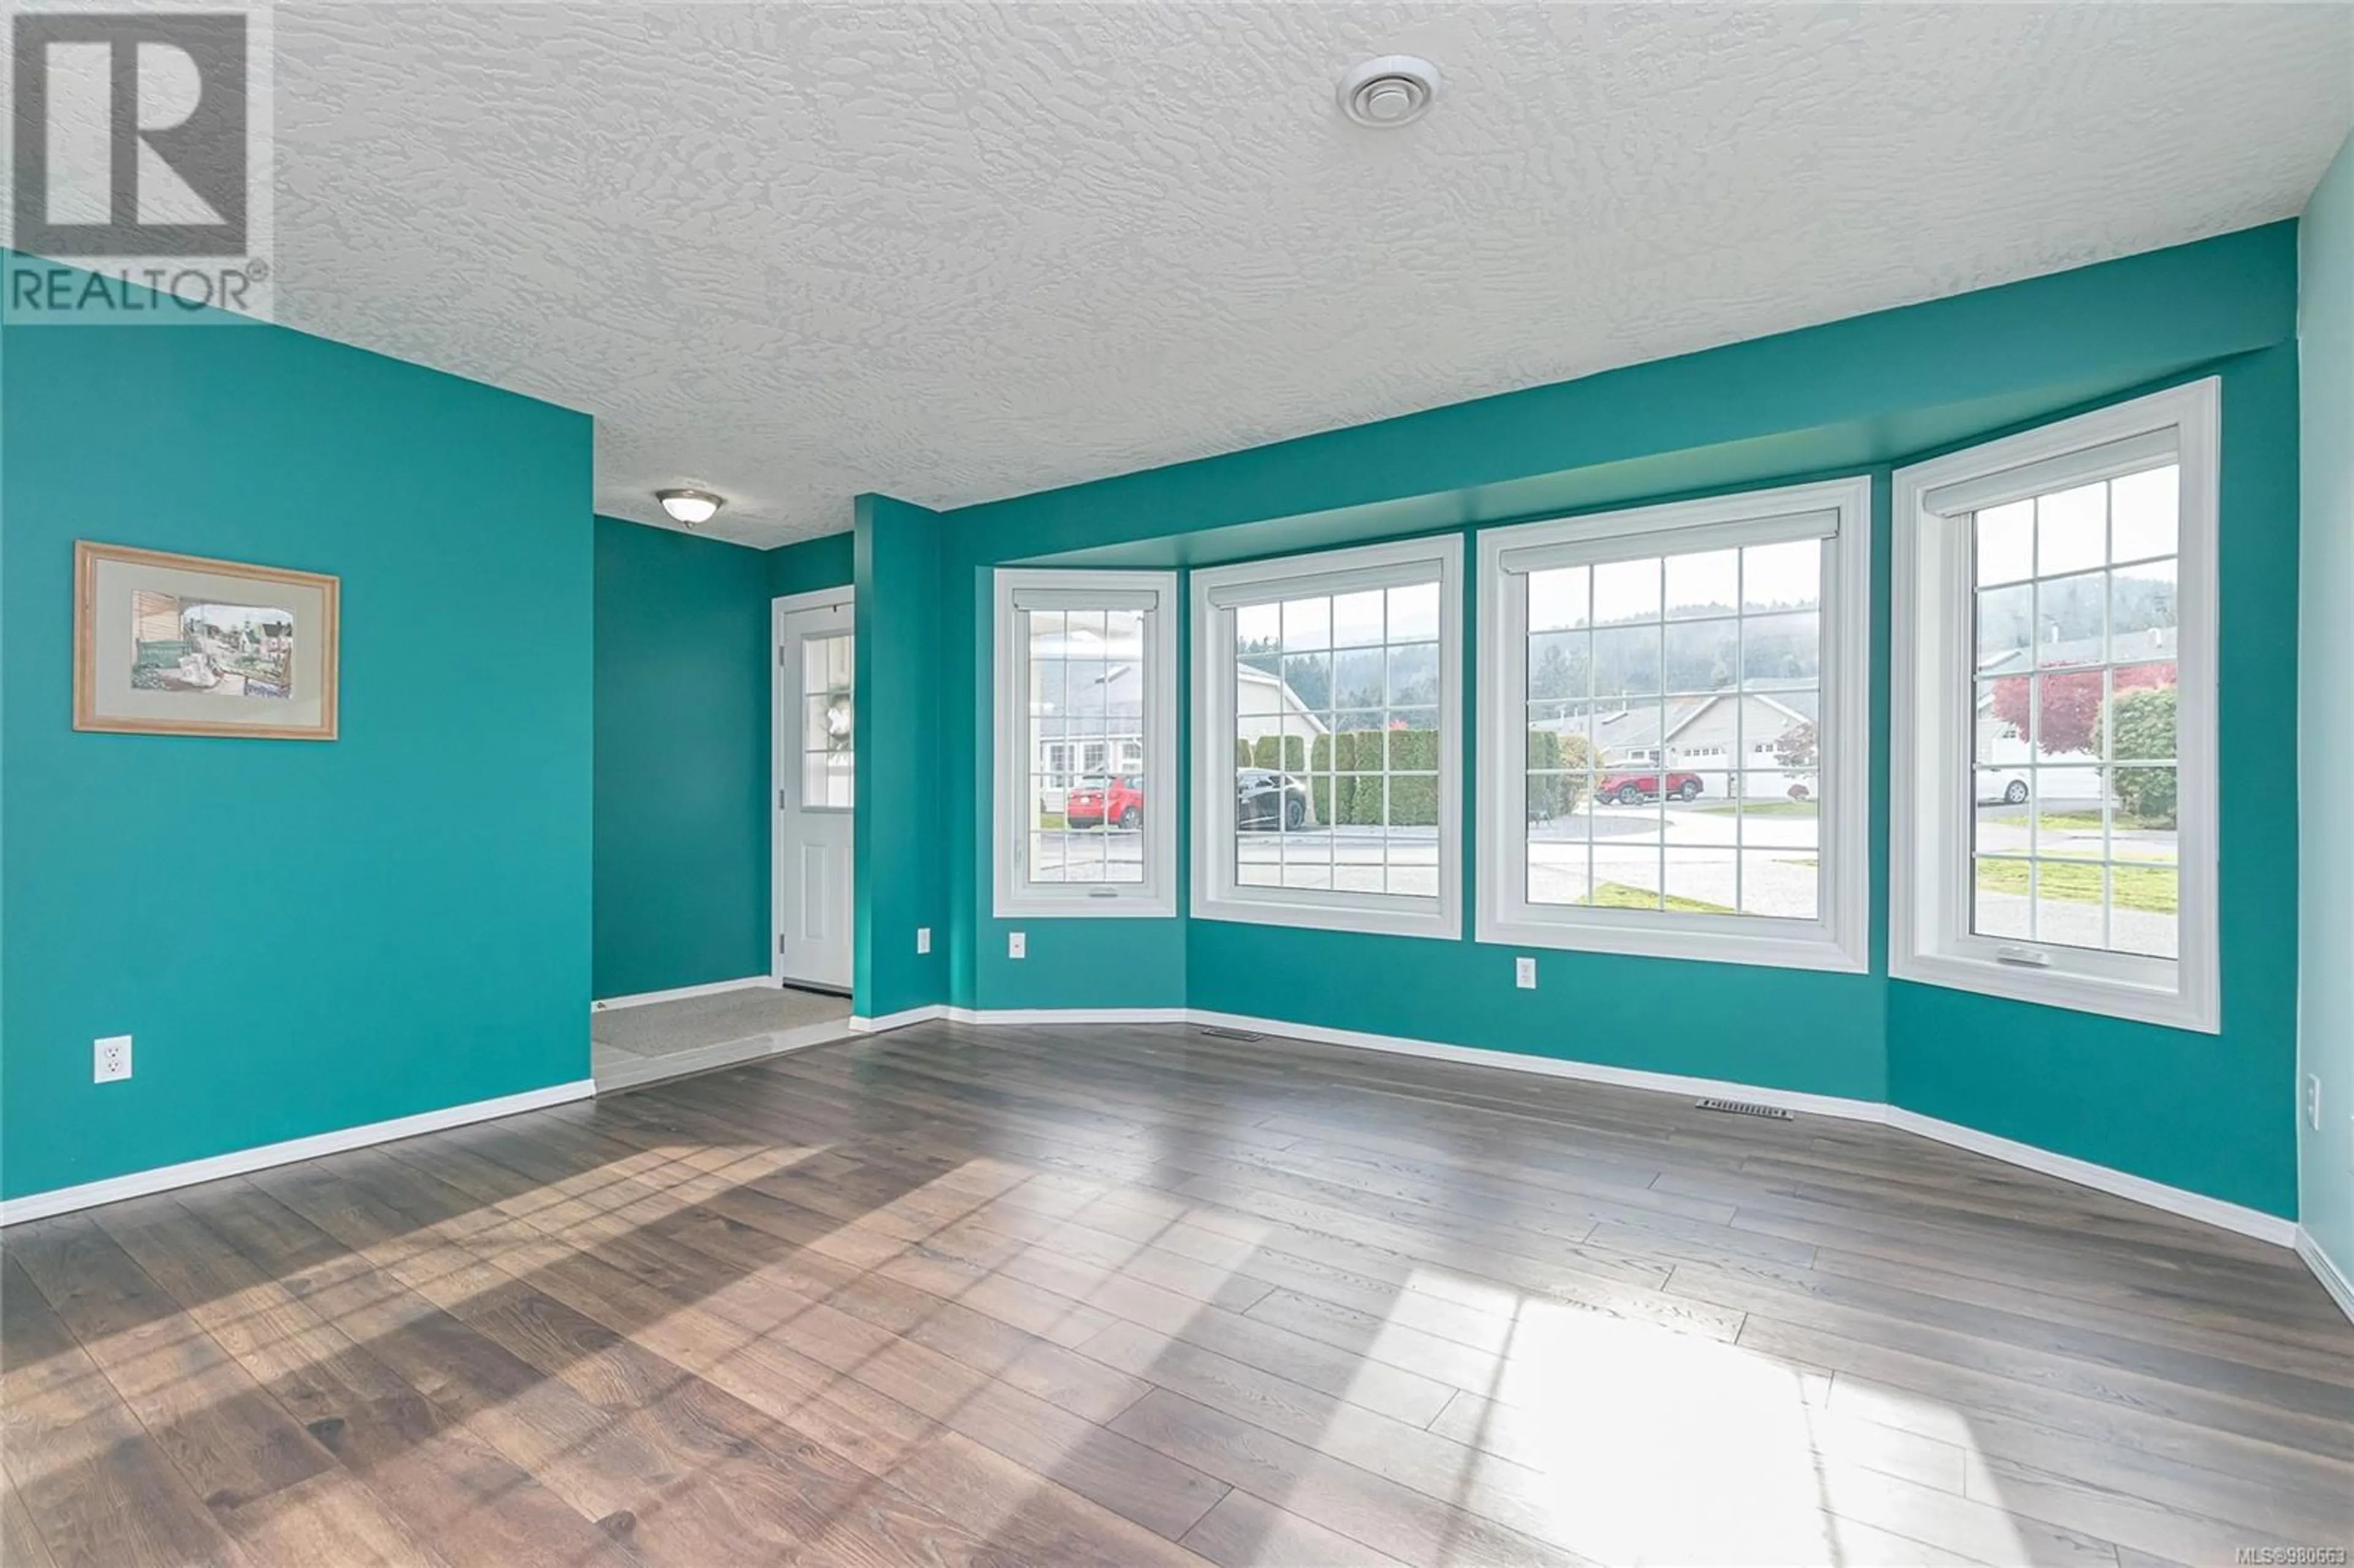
<point x="168" y="644"/>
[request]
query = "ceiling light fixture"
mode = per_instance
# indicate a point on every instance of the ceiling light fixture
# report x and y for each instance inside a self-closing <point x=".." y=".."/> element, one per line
<point x="1393" y="90"/>
<point x="689" y="506"/>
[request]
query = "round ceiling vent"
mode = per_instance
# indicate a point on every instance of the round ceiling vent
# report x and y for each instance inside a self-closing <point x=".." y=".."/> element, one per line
<point x="1392" y="91"/>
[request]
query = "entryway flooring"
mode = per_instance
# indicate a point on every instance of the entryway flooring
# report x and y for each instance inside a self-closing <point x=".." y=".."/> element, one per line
<point x="630" y="1045"/>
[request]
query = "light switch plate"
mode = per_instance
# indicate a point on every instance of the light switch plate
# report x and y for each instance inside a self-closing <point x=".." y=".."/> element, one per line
<point x="1017" y="945"/>
<point x="1524" y="973"/>
<point x="922" y="938"/>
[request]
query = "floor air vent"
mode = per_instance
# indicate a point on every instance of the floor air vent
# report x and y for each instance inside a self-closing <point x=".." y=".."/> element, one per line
<point x="1743" y="1108"/>
<point x="1215" y="1033"/>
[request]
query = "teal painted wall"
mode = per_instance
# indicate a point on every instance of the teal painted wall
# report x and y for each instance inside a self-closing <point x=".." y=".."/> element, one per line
<point x="2326" y="705"/>
<point x="301" y="937"/>
<point x="683" y="765"/>
<point x="683" y="715"/>
<point x="821" y="563"/>
<point x="902" y="876"/>
<point x="2212" y="1113"/>
<point x="1856" y="395"/>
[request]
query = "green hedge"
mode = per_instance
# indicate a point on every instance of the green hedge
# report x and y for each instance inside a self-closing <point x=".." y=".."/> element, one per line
<point x="1343" y="773"/>
<point x="1345" y="778"/>
<point x="2142" y="724"/>
<point x="1279" y="753"/>
<point x="1557" y="796"/>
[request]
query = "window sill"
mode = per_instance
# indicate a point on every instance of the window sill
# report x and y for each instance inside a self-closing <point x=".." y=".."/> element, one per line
<point x="1811" y="948"/>
<point x="2165" y="1007"/>
<point x="1442" y="923"/>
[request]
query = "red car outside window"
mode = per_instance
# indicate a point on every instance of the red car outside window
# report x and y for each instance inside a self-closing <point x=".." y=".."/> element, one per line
<point x="1119" y="802"/>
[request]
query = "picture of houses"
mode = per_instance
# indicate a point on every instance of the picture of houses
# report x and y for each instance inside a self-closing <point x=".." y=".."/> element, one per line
<point x="204" y="646"/>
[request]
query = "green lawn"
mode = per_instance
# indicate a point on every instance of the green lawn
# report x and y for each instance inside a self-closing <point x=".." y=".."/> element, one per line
<point x="2135" y="888"/>
<point x="2090" y="822"/>
<point x="1763" y="809"/>
<point x="1618" y="895"/>
<point x="1050" y="818"/>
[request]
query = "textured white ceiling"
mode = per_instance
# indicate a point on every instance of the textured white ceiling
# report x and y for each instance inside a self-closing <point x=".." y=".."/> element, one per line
<point x="956" y="252"/>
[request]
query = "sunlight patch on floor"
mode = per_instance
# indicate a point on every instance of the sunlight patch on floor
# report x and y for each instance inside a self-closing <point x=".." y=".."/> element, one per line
<point x="1629" y="1441"/>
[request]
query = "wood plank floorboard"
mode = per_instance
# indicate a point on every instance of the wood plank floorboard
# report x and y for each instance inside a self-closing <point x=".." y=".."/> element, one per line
<point x="1126" y="1296"/>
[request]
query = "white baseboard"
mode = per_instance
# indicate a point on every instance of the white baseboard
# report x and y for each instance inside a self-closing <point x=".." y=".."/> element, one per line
<point x="750" y="982"/>
<point x="1021" y="1015"/>
<point x="900" y="1020"/>
<point x="140" y="1183"/>
<point x="621" y="1072"/>
<point x="1551" y="1067"/>
<point x="2342" y="1289"/>
<point x="2191" y="1205"/>
<point x="2234" y="1217"/>
<point x="1070" y="1015"/>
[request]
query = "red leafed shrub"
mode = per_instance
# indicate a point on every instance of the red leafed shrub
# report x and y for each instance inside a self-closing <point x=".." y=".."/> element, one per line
<point x="2071" y="703"/>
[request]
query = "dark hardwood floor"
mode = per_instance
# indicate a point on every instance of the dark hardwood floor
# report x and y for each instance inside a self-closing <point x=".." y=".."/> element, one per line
<point x="1140" y="1296"/>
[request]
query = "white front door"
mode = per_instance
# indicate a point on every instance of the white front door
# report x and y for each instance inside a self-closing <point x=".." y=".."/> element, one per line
<point x="816" y="764"/>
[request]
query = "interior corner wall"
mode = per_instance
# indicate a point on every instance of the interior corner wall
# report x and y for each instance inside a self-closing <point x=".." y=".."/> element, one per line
<point x="825" y="562"/>
<point x="302" y="937"/>
<point x="902" y="872"/>
<point x="2208" y="1113"/>
<point x="683" y="770"/>
<point x="2325" y="710"/>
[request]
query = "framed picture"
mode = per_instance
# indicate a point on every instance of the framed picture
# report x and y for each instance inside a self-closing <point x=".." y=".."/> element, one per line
<point x="180" y="645"/>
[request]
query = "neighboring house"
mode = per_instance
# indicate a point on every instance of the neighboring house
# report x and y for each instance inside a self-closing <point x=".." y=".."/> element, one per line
<point x="1714" y="734"/>
<point x="1097" y="727"/>
<point x="1265" y="703"/>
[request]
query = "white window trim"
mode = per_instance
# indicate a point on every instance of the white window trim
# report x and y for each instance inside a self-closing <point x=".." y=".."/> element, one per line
<point x="1930" y="938"/>
<point x="1839" y="937"/>
<point x="1156" y="897"/>
<point x="1216" y="894"/>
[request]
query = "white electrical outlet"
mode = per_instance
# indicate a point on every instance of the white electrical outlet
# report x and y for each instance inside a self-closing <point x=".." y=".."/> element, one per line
<point x="922" y="938"/>
<point x="1524" y="973"/>
<point x="2313" y="1101"/>
<point x="110" y="1059"/>
<point x="1017" y="945"/>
